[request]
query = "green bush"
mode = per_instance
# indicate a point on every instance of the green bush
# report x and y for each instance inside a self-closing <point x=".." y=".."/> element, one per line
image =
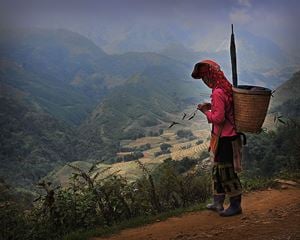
<point x="156" y="154"/>
<point x="165" y="146"/>
<point x="268" y="154"/>
<point x="200" y="141"/>
<point x="104" y="201"/>
<point x="184" y="133"/>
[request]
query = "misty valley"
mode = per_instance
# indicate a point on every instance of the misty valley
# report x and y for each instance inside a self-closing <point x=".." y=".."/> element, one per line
<point x="86" y="137"/>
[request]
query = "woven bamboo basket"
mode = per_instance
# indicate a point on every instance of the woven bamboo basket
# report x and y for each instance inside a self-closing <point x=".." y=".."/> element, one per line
<point x="250" y="107"/>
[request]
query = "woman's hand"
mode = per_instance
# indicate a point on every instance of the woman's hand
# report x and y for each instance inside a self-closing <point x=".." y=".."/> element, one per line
<point x="204" y="107"/>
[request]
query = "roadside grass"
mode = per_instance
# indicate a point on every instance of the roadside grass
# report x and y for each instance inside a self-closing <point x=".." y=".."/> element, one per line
<point x="261" y="183"/>
<point x="249" y="185"/>
<point x="288" y="175"/>
<point x="132" y="223"/>
<point x="257" y="183"/>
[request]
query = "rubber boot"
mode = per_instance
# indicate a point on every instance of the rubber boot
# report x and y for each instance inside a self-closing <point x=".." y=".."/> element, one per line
<point x="217" y="204"/>
<point x="234" y="208"/>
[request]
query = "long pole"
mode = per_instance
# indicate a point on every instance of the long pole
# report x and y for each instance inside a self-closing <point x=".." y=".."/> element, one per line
<point x="233" y="59"/>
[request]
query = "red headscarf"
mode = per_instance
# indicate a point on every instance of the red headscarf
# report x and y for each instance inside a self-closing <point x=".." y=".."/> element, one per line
<point x="216" y="78"/>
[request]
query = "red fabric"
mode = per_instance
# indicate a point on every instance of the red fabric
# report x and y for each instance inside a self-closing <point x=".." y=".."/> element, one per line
<point x="221" y="108"/>
<point x="217" y="79"/>
<point x="221" y="98"/>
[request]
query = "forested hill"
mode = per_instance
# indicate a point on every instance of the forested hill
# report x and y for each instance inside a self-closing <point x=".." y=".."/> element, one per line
<point x="49" y="66"/>
<point x="135" y="108"/>
<point x="64" y="99"/>
<point x="32" y="141"/>
<point x="59" y="90"/>
<point x="66" y="73"/>
<point x="287" y="97"/>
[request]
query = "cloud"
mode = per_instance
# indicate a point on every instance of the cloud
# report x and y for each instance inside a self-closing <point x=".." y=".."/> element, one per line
<point x="240" y="16"/>
<point x="244" y="3"/>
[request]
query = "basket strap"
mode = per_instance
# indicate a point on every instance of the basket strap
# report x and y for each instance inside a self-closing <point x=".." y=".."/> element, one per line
<point x="244" y="137"/>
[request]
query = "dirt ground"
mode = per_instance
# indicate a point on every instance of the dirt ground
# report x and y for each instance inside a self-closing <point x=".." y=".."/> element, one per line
<point x="271" y="214"/>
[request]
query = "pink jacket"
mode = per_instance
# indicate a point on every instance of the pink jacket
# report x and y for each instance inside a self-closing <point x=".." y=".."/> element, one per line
<point x="221" y="108"/>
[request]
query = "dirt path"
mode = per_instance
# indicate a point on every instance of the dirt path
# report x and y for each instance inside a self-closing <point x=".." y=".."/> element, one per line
<point x="271" y="214"/>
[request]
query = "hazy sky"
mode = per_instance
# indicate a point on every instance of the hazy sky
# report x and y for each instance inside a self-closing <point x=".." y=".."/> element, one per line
<point x="276" y="20"/>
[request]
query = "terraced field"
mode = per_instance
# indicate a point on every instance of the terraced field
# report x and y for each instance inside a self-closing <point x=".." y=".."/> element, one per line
<point x="192" y="152"/>
<point x="180" y="148"/>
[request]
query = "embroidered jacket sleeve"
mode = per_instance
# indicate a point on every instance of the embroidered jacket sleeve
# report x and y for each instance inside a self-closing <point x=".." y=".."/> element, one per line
<point x="217" y="113"/>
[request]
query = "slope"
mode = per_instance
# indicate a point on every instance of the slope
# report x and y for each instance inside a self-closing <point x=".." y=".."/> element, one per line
<point x="271" y="214"/>
<point x="59" y="69"/>
<point x="32" y="141"/>
<point x="66" y="73"/>
<point x="288" y="91"/>
<point x="143" y="102"/>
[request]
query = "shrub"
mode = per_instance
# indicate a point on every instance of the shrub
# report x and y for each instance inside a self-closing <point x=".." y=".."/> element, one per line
<point x="184" y="133"/>
<point x="203" y="155"/>
<point x="165" y="146"/>
<point x="156" y="154"/>
<point x="126" y="149"/>
<point x="130" y="157"/>
<point x="144" y="147"/>
<point x="186" y="146"/>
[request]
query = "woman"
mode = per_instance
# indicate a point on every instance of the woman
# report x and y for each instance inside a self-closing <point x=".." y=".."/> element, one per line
<point x="225" y="142"/>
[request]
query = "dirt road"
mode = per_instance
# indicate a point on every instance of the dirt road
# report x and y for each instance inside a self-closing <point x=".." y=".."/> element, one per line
<point x="270" y="214"/>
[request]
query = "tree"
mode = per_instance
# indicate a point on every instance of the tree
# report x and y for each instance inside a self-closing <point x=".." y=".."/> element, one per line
<point x="165" y="146"/>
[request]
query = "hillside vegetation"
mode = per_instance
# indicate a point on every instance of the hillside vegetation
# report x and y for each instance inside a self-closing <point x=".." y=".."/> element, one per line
<point x="32" y="141"/>
<point x="289" y="91"/>
<point x="64" y="99"/>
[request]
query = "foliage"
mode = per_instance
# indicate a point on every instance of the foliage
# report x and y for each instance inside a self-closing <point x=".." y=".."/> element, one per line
<point x="32" y="142"/>
<point x="184" y="133"/>
<point x="165" y="146"/>
<point x="178" y="187"/>
<point x="133" y="134"/>
<point x="200" y="141"/>
<point x="255" y="183"/>
<point x="154" y="133"/>
<point x="67" y="100"/>
<point x="181" y="166"/>
<point x="52" y="80"/>
<point x="104" y="200"/>
<point x="127" y="149"/>
<point x="141" y="148"/>
<point x="130" y="157"/>
<point x="268" y="154"/>
<point x="187" y="146"/>
<point x="204" y="154"/>
<point x="290" y="108"/>
<point x="167" y="151"/>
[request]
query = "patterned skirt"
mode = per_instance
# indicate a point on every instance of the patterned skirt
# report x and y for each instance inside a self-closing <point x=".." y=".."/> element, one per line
<point x="225" y="179"/>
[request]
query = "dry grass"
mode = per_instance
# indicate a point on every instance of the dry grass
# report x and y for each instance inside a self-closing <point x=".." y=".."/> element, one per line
<point x="130" y="169"/>
<point x="141" y="141"/>
<point x="192" y="152"/>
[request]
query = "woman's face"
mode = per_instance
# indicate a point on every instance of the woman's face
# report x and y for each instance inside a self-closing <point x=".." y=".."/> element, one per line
<point x="200" y="72"/>
<point x="207" y="81"/>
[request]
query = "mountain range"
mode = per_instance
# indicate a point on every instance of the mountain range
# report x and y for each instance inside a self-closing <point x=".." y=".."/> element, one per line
<point x="62" y="77"/>
<point x="64" y="99"/>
